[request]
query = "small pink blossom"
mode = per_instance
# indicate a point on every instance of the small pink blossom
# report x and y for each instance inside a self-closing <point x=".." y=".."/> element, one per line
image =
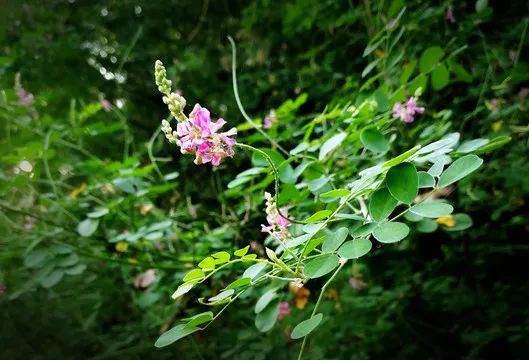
<point x="25" y="98"/>
<point x="106" y="105"/>
<point x="357" y="283"/>
<point x="198" y="135"/>
<point x="407" y="111"/>
<point x="270" y="120"/>
<point x="255" y="246"/>
<point x="146" y="279"/>
<point x="277" y="223"/>
<point x="2" y="289"/>
<point x="449" y="16"/>
<point x="284" y="310"/>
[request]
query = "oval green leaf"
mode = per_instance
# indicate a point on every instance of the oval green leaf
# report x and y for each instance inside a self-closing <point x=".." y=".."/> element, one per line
<point x="381" y="204"/>
<point x="176" y="333"/>
<point x="432" y="209"/>
<point x="440" y="77"/>
<point x="264" y="300"/>
<point x="306" y="326"/>
<point x="403" y="182"/>
<point x="199" y="319"/>
<point x="207" y="264"/>
<point x="320" y="215"/>
<point x="321" y="265"/>
<point x="181" y="290"/>
<point x="331" y="144"/>
<point x="459" y="169"/>
<point x="374" y="141"/>
<point x="194" y="274"/>
<point x="425" y="180"/>
<point x="87" y="227"/>
<point x="265" y="320"/>
<point x="333" y="240"/>
<point x="429" y="58"/>
<point x="427" y="226"/>
<point x="239" y="283"/>
<point x="391" y="232"/>
<point x="355" y="248"/>
<point x="242" y="252"/>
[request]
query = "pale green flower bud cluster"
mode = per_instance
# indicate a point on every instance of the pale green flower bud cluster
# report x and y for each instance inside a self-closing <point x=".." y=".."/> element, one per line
<point x="164" y="84"/>
<point x="170" y="134"/>
<point x="175" y="102"/>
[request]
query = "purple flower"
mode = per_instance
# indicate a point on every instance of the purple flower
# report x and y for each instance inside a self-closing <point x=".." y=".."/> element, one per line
<point x="407" y="111"/>
<point x="284" y="310"/>
<point x="106" y="105"/>
<point x="198" y="135"/>
<point x="25" y="98"/>
<point x="277" y="223"/>
<point x="450" y="15"/>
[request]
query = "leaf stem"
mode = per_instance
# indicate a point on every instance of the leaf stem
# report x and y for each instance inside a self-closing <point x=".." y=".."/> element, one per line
<point x="318" y="304"/>
<point x="238" y="100"/>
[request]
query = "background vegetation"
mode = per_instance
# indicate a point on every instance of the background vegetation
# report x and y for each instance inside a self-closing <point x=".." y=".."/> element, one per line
<point x="92" y="196"/>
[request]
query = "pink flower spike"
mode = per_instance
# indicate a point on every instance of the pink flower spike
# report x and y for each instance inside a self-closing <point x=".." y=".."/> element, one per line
<point x="277" y="223"/>
<point x="284" y="310"/>
<point x="25" y="98"/>
<point x="450" y="15"/>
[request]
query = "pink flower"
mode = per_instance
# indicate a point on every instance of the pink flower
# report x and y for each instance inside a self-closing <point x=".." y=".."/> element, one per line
<point x="144" y="280"/>
<point x="270" y="120"/>
<point x="25" y="98"/>
<point x="284" y="310"/>
<point x="277" y="223"/>
<point x="106" y="105"/>
<point x="450" y="15"/>
<point x="198" y="135"/>
<point x="406" y="112"/>
<point x="2" y="289"/>
<point x="357" y="283"/>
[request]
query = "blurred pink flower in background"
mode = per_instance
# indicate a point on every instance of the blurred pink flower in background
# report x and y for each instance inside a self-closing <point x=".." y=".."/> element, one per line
<point x="284" y="310"/>
<point x="406" y="112"/>
<point x="356" y="283"/>
<point x="449" y="16"/>
<point x="25" y="98"/>
<point x="106" y="105"/>
<point x="146" y="279"/>
<point x="270" y="119"/>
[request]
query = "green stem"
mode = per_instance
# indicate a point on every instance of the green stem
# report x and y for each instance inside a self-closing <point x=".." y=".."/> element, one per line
<point x="46" y="166"/>
<point x="276" y="178"/>
<point x="318" y="304"/>
<point x="237" y="261"/>
<point x="238" y="100"/>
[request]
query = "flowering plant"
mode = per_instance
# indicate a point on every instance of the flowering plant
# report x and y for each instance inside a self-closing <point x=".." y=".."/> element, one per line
<point x="346" y="214"/>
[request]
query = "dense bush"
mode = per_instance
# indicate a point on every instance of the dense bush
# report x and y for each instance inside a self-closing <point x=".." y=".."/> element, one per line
<point x="391" y="137"/>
